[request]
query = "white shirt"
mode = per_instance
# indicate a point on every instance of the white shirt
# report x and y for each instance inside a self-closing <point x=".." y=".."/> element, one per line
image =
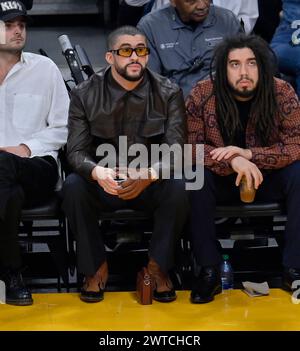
<point x="247" y="10"/>
<point x="34" y="106"/>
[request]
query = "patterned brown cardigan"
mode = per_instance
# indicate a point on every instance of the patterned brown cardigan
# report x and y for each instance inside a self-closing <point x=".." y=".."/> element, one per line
<point x="283" y="148"/>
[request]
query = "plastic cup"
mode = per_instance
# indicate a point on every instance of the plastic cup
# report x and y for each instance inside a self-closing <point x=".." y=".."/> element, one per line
<point x="247" y="194"/>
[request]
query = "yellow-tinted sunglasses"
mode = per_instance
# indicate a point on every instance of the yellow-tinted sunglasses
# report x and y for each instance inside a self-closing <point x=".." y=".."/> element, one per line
<point x="127" y="52"/>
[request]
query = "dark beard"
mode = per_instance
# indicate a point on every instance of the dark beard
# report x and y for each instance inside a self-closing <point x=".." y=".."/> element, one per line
<point x="123" y="73"/>
<point x="243" y="94"/>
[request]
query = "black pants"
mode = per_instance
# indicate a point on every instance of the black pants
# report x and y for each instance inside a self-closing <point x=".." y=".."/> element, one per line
<point x="24" y="182"/>
<point x="83" y="202"/>
<point x="279" y="185"/>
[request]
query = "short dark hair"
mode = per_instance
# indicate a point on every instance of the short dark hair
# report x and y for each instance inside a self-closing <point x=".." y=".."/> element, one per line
<point x="264" y="105"/>
<point x="124" y="30"/>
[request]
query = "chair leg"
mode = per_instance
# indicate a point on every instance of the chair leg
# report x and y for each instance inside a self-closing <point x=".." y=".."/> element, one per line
<point x="28" y="229"/>
<point x="58" y="284"/>
<point x="71" y="251"/>
<point x="58" y="249"/>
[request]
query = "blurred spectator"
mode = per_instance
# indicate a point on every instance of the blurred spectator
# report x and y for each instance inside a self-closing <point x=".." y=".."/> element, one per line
<point x="268" y="18"/>
<point x="182" y="38"/>
<point x="286" y="41"/>
<point x="130" y="12"/>
<point x="245" y="10"/>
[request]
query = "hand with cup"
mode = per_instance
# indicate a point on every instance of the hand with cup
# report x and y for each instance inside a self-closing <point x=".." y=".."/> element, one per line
<point x="247" y="193"/>
<point x="246" y="169"/>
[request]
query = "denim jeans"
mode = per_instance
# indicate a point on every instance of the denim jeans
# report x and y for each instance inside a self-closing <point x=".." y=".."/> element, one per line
<point x="288" y="55"/>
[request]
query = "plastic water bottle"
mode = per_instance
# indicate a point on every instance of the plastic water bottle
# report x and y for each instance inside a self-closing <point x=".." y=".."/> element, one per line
<point x="226" y="274"/>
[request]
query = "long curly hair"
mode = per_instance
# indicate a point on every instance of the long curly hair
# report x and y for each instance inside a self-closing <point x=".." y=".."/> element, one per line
<point x="264" y="104"/>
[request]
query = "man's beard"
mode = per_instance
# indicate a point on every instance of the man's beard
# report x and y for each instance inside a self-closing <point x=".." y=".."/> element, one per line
<point x="123" y="73"/>
<point x="246" y="93"/>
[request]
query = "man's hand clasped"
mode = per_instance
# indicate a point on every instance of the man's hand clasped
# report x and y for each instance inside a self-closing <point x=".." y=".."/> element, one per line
<point x="134" y="183"/>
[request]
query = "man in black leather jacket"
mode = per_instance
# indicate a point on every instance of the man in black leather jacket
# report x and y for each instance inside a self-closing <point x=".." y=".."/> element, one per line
<point x="128" y="100"/>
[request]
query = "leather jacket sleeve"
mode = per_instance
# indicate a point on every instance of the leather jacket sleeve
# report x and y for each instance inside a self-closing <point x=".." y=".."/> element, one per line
<point x="175" y="132"/>
<point x="79" y="139"/>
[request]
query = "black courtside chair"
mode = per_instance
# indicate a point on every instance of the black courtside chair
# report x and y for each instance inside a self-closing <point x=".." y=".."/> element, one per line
<point x="46" y="224"/>
<point x="129" y="231"/>
<point x="259" y="217"/>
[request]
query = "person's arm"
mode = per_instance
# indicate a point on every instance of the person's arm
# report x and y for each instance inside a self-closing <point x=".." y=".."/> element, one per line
<point x="21" y="150"/>
<point x="79" y="139"/>
<point x="196" y="135"/>
<point x="54" y="135"/>
<point x="176" y="127"/>
<point x="287" y="149"/>
<point x="175" y="135"/>
<point x="79" y="151"/>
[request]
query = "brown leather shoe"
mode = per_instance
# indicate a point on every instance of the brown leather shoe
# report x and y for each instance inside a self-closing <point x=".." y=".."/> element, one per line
<point x="93" y="288"/>
<point x="163" y="287"/>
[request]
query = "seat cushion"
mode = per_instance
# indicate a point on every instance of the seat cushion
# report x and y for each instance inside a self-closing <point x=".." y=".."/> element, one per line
<point x="254" y="209"/>
<point x="48" y="210"/>
<point x="125" y="214"/>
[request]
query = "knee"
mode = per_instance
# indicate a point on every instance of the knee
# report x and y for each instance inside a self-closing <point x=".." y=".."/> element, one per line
<point x="176" y="188"/>
<point x="6" y="156"/>
<point x="74" y="187"/>
<point x="176" y="195"/>
<point x="7" y="164"/>
<point x="12" y="198"/>
<point x="17" y="195"/>
<point x="293" y="173"/>
<point x="208" y="186"/>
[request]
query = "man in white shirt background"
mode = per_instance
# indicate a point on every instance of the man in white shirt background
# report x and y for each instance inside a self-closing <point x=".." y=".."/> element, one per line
<point x="131" y="11"/>
<point x="33" y="117"/>
<point x="245" y="10"/>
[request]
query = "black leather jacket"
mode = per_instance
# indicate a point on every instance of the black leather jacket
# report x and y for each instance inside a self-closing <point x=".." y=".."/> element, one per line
<point x="101" y="111"/>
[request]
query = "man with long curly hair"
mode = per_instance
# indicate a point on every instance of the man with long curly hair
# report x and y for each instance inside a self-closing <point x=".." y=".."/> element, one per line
<point x="249" y="123"/>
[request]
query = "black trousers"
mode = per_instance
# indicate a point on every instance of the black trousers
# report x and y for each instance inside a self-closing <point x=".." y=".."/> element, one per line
<point x="278" y="185"/>
<point x="84" y="201"/>
<point x="24" y="182"/>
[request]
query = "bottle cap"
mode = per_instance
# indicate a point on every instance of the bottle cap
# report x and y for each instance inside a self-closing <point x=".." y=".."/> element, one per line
<point x="225" y="257"/>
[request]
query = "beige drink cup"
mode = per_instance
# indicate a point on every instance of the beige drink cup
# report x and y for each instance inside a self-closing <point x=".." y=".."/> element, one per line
<point x="247" y="195"/>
